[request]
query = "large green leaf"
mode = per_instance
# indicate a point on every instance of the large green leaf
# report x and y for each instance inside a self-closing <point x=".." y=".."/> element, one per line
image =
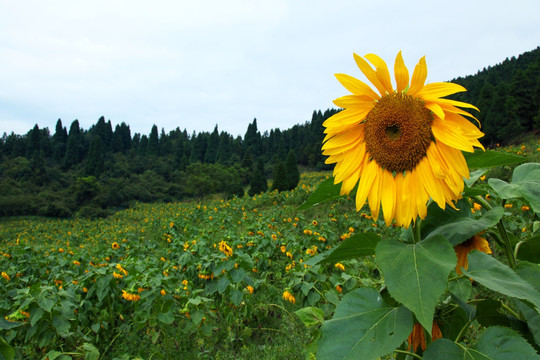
<point x="463" y="228"/>
<point x="525" y="184"/>
<point x="363" y="327"/>
<point x="326" y="191"/>
<point x="6" y="351"/>
<point x="529" y="250"/>
<point x="489" y="158"/>
<point x="310" y="316"/>
<point x="496" y="343"/>
<point x="354" y="247"/>
<point x="437" y="217"/>
<point x="417" y="274"/>
<point x="496" y="276"/>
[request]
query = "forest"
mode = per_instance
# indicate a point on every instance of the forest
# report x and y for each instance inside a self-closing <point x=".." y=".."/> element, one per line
<point x="93" y="172"/>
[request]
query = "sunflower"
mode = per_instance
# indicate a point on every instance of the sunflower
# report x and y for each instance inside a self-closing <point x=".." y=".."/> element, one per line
<point x="402" y="146"/>
<point x="462" y="250"/>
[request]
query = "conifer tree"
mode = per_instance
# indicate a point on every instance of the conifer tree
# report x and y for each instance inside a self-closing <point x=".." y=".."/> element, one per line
<point x="258" y="183"/>
<point x="280" y="177"/>
<point x="291" y="169"/>
<point x="152" y="148"/>
<point x="94" y="161"/>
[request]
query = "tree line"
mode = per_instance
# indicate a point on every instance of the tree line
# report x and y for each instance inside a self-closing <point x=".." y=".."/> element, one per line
<point x="90" y="172"/>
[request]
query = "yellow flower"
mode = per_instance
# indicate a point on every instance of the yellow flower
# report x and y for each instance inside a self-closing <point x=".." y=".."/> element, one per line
<point x="117" y="275"/>
<point x="525" y="208"/>
<point x="462" y="250"/>
<point x="477" y="206"/>
<point x="225" y="248"/>
<point x="5" y="276"/>
<point x="340" y="266"/>
<point x="115" y="245"/>
<point x="289" y="297"/>
<point x="508" y="206"/>
<point x="130" y="297"/>
<point x="163" y="292"/>
<point x="75" y="262"/>
<point x="401" y="147"/>
<point x="250" y="289"/>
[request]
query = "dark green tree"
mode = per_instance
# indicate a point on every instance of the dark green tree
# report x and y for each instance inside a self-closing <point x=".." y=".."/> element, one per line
<point x="212" y="147"/>
<point x="95" y="158"/>
<point x="258" y="183"/>
<point x="291" y="169"/>
<point x="75" y="146"/>
<point x="280" y="177"/>
<point x="152" y="147"/>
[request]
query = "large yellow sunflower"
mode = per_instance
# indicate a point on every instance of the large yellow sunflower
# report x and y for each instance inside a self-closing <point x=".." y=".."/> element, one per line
<point x="401" y="146"/>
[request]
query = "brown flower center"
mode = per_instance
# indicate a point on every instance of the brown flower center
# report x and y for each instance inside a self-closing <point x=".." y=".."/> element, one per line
<point x="398" y="132"/>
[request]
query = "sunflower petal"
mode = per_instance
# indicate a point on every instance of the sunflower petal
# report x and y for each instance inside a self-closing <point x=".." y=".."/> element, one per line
<point x="388" y="197"/>
<point x="369" y="73"/>
<point x="436" y="109"/>
<point x="401" y="73"/>
<point x="418" y="77"/>
<point x="374" y="196"/>
<point x="439" y="90"/>
<point x="381" y="70"/>
<point x="366" y="182"/>
<point x="353" y="101"/>
<point x="444" y="132"/>
<point x="356" y="86"/>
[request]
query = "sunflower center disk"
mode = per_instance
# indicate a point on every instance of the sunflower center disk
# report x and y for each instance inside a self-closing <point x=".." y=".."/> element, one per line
<point x="398" y="132"/>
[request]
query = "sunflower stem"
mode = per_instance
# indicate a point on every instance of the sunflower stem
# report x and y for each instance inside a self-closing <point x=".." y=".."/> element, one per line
<point x="408" y="353"/>
<point x="416" y="231"/>
<point x="507" y="246"/>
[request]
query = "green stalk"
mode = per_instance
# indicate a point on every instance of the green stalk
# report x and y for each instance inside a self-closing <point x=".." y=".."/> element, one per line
<point x="416" y="231"/>
<point x="502" y="233"/>
<point x="408" y="353"/>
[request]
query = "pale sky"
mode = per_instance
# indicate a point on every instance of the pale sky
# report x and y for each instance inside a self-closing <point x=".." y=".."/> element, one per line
<point x="194" y="64"/>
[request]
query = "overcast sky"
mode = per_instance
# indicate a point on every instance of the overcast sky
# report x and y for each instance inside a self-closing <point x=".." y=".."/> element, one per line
<point x="194" y="64"/>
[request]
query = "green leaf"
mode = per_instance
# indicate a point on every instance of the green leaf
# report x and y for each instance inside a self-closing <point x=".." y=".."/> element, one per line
<point x="462" y="229"/>
<point x="60" y="323"/>
<point x="6" y="325"/>
<point x="488" y="314"/>
<point x="53" y="354"/>
<point x="489" y="158"/>
<point x="166" y="317"/>
<point x="525" y="184"/>
<point x="197" y="316"/>
<point x="310" y="316"/>
<point x="417" y="274"/>
<point x="474" y="176"/>
<point x="529" y="250"/>
<point x="6" y="351"/>
<point x="354" y="247"/>
<point x="533" y="320"/>
<point x="496" y="276"/>
<point x="45" y="302"/>
<point x="326" y="191"/>
<point x="496" y="343"/>
<point x="91" y="352"/>
<point x="236" y="296"/>
<point x="461" y="287"/>
<point x="437" y="217"/>
<point x="363" y="327"/>
<point x="35" y="315"/>
<point x="237" y="275"/>
<point x="222" y="284"/>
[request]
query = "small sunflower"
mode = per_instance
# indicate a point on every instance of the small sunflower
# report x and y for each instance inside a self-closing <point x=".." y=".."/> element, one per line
<point x="402" y="146"/>
<point x="462" y="250"/>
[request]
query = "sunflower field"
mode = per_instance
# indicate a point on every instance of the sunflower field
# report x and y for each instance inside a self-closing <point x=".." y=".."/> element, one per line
<point x="281" y="275"/>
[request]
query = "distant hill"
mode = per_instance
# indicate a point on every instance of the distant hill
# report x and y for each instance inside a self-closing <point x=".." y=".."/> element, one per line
<point x="508" y="96"/>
